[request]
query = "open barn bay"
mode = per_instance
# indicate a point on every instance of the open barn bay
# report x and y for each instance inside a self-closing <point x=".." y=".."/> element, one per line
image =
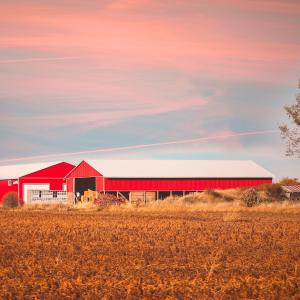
<point x="148" y="255"/>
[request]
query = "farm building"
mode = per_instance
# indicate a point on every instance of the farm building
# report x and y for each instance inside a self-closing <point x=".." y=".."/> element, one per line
<point x="157" y="179"/>
<point x="131" y="179"/>
<point x="33" y="177"/>
<point x="292" y="191"/>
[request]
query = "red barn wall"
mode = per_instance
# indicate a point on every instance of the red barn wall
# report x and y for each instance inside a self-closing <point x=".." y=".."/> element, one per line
<point x="70" y="185"/>
<point x="5" y="188"/>
<point x="114" y="184"/>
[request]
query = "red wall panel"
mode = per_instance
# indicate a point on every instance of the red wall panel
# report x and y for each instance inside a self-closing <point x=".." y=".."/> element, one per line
<point x="99" y="184"/>
<point x="114" y="184"/>
<point x="5" y="188"/>
<point x="70" y="185"/>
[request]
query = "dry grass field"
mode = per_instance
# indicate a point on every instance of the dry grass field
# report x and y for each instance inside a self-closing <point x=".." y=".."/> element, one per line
<point x="149" y="255"/>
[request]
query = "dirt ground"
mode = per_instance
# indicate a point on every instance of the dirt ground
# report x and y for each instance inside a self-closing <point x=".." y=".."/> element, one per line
<point x="148" y="255"/>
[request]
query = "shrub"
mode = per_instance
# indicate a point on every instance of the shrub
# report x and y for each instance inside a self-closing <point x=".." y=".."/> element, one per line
<point x="274" y="191"/>
<point x="250" y="197"/>
<point x="227" y="198"/>
<point x="193" y="199"/>
<point x="11" y="200"/>
<point x="213" y="193"/>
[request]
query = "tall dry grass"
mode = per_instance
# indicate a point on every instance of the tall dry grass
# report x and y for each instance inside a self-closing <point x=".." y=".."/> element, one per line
<point x="211" y="201"/>
<point x="208" y="201"/>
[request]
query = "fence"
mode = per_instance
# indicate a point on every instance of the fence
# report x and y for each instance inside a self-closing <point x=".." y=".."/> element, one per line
<point x="47" y="197"/>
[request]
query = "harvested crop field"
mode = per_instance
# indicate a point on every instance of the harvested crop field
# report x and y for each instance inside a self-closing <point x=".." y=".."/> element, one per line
<point x="148" y="255"/>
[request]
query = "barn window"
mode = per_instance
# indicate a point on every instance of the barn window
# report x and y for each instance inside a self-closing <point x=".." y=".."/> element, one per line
<point x="40" y="194"/>
<point x="55" y="194"/>
<point x="9" y="182"/>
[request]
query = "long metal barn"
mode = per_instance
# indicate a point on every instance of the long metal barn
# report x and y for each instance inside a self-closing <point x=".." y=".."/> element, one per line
<point x="132" y="179"/>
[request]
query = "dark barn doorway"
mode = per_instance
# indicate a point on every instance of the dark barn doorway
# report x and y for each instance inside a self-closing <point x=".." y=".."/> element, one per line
<point x="84" y="184"/>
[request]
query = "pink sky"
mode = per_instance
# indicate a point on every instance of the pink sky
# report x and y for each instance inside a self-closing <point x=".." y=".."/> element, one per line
<point x="190" y="35"/>
<point x="91" y="65"/>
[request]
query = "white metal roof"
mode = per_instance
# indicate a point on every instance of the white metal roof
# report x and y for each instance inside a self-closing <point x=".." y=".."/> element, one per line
<point x="16" y="171"/>
<point x="179" y="169"/>
<point x="291" y="188"/>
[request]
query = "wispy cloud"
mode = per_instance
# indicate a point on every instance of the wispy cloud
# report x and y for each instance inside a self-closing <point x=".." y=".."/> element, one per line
<point x="36" y="59"/>
<point x="142" y="146"/>
<point x="100" y="118"/>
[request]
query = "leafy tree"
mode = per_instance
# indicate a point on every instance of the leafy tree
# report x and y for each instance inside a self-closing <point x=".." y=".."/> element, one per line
<point x="288" y="181"/>
<point x="292" y="134"/>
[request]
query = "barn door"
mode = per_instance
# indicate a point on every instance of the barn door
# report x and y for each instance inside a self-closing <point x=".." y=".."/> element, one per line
<point x="84" y="184"/>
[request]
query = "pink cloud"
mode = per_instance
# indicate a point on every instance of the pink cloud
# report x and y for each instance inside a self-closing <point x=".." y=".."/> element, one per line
<point x="123" y="34"/>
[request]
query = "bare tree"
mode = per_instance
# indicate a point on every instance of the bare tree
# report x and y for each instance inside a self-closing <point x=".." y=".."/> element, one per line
<point x="291" y="135"/>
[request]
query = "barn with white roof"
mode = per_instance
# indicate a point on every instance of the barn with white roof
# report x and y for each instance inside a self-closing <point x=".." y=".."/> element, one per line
<point x="143" y="179"/>
<point x="156" y="179"/>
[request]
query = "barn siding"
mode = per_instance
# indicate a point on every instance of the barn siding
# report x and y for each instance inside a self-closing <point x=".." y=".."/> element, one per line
<point x="70" y="185"/>
<point x="182" y="184"/>
<point x="5" y="188"/>
<point x="99" y="184"/>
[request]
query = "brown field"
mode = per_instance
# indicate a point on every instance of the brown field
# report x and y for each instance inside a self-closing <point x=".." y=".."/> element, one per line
<point x="149" y="255"/>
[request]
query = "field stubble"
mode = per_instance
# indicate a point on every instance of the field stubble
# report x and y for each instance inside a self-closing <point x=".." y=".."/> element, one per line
<point x="149" y="255"/>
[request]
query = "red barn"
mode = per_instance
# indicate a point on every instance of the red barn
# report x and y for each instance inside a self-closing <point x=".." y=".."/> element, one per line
<point x="49" y="178"/>
<point x="164" y="177"/>
<point x="148" y="179"/>
<point x="36" y="176"/>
